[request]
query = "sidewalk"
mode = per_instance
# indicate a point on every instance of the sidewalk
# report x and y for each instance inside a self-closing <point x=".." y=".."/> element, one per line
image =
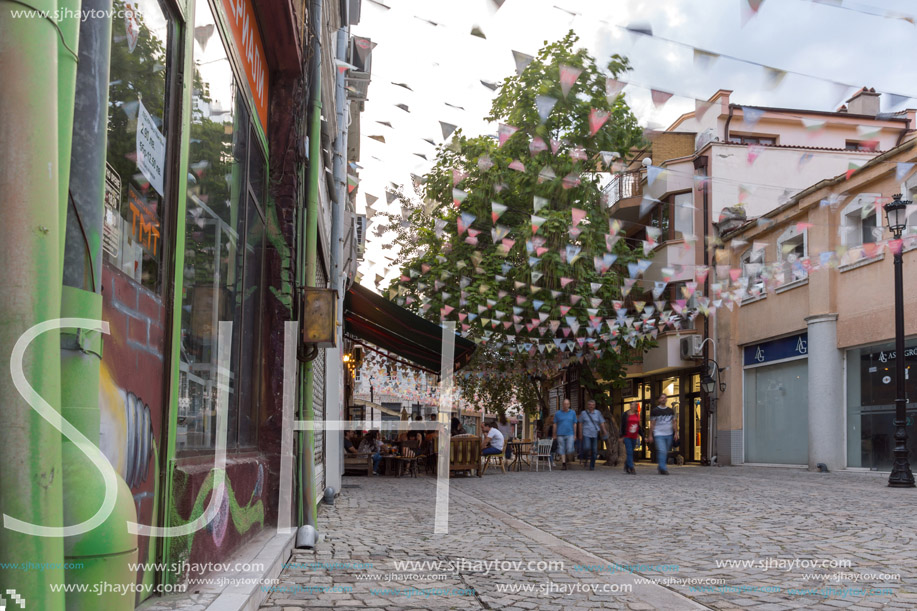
<point x="767" y="528"/>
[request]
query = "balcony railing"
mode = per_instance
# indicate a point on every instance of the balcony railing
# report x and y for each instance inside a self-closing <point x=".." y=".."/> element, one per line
<point x="624" y="185"/>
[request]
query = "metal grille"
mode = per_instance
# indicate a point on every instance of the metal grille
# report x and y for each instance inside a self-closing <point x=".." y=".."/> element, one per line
<point x="318" y="400"/>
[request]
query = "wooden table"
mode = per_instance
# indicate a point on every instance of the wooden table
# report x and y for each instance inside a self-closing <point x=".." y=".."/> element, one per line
<point x="521" y="449"/>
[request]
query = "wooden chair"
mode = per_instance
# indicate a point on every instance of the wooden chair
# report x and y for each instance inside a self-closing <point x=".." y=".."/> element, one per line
<point x="465" y="454"/>
<point x="542" y="451"/>
<point x="409" y="459"/>
<point x="358" y="462"/>
<point x="501" y="457"/>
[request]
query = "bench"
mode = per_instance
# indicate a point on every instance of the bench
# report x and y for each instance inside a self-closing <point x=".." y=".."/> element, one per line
<point x="465" y="454"/>
<point x="358" y="462"/>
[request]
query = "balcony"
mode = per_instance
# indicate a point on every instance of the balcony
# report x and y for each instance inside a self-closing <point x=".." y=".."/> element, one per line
<point x="624" y="194"/>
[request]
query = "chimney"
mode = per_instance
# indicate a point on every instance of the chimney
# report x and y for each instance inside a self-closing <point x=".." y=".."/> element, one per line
<point x="864" y="102"/>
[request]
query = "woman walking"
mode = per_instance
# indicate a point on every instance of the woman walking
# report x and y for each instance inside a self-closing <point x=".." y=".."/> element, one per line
<point x="631" y="432"/>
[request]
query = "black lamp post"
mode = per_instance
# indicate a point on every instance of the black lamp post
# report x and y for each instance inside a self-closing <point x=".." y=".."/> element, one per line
<point x="901" y="476"/>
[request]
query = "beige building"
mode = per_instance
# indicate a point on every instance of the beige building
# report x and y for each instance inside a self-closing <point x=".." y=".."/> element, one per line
<point x="722" y="159"/>
<point x="806" y="325"/>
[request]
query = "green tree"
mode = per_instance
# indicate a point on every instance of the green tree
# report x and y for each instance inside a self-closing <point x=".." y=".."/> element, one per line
<point x="536" y="287"/>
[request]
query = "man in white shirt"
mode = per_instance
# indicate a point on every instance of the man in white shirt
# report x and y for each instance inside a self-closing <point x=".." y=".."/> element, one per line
<point x="493" y="440"/>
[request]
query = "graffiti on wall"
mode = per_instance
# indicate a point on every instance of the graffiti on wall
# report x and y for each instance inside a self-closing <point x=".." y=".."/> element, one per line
<point x="233" y="519"/>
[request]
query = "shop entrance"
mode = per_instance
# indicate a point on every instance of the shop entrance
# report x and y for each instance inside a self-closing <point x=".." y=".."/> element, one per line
<point x="684" y="397"/>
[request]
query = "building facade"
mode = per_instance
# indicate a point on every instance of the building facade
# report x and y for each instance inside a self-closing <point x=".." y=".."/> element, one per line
<point x="809" y="355"/>
<point x="178" y="206"/>
<point x="722" y="161"/>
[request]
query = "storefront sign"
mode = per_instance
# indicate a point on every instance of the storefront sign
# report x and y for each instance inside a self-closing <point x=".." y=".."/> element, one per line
<point x="144" y="223"/>
<point x="111" y="227"/>
<point x="151" y="149"/>
<point x="777" y="350"/>
<point x="247" y="39"/>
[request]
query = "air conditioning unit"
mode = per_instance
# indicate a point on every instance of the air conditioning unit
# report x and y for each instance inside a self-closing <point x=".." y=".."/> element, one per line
<point x="690" y="347"/>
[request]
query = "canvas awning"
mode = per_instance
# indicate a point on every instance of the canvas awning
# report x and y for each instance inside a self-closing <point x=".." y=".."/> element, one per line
<point x="375" y="319"/>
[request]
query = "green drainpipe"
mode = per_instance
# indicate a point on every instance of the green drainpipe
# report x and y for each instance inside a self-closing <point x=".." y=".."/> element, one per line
<point x="30" y="293"/>
<point x="66" y="92"/>
<point x="307" y="272"/>
<point x="103" y="554"/>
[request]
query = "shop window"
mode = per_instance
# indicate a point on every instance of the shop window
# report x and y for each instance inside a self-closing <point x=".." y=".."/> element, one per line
<point x="871" y="392"/>
<point x="134" y="235"/>
<point x="224" y="251"/>
<point x="792" y="248"/>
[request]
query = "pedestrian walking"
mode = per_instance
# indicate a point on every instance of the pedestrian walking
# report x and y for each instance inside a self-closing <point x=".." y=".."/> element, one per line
<point x="631" y="432"/>
<point x="565" y="432"/>
<point x="662" y="431"/>
<point x="591" y="425"/>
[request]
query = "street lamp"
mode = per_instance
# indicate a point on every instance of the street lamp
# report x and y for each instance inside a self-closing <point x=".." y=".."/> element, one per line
<point x="901" y="476"/>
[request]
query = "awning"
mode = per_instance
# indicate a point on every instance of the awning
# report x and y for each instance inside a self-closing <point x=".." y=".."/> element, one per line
<point x="377" y="320"/>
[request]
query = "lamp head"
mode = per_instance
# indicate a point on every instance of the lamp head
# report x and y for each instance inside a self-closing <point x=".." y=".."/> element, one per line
<point x="896" y="215"/>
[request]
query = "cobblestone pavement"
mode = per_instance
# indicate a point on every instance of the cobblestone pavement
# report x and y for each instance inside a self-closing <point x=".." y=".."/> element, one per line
<point x="677" y="534"/>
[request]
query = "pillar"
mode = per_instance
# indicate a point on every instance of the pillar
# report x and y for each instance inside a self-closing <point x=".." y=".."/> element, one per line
<point x="826" y="394"/>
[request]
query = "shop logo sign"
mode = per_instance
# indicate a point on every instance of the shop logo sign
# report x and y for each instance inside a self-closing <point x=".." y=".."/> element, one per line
<point x="802" y="346"/>
<point x="759" y="354"/>
<point x="13" y="596"/>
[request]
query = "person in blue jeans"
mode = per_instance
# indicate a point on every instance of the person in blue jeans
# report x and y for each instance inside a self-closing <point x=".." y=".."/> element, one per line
<point x="663" y="431"/>
<point x="631" y="432"/>
<point x="591" y="425"/>
<point x="372" y="445"/>
<point x="565" y="432"/>
<point x="493" y="440"/>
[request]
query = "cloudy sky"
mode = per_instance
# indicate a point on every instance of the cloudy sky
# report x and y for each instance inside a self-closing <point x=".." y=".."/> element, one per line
<point x="427" y="45"/>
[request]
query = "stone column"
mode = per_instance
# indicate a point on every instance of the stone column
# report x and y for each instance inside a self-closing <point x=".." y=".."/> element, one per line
<point x="826" y="394"/>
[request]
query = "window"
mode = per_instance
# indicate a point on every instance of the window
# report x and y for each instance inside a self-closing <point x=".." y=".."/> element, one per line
<point x="761" y="140"/>
<point x="752" y="277"/>
<point x="659" y="218"/>
<point x="861" y="145"/>
<point x="858" y="221"/>
<point x="224" y="251"/>
<point x="684" y="213"/>
<point x="792" y="249"/>
<point x="138" y="129"/>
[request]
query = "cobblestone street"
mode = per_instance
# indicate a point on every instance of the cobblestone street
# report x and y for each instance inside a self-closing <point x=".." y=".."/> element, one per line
<point x="727" y="538"/>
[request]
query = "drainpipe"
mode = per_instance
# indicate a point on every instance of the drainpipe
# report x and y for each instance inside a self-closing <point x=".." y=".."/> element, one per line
<point x="707" y="450"/>
<point x="102" y="554"/>
<point x="309" y="239"/>
<point x="728" y="121"/>
<point x="69" y="11"/>
<point x="30" y="291"/>
<point x="335" y="375"/>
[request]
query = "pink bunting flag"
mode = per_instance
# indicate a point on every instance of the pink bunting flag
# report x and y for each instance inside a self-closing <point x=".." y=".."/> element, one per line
<point x="517" y="165"/>
<point x="537" y="145"/>
<point x="424" y="268"/>
<point x="568" y="76"/>
<point x="660" y="97"/>
<point x="597" y="119"/>
<point x="577" y="215"/>
<point x="458" y="176"/>
<point x="565" y="281"/>
<point x="505" y="132"/>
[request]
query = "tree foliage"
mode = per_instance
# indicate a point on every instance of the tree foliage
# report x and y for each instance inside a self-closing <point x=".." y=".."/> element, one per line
<point x="514" y="241"/>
